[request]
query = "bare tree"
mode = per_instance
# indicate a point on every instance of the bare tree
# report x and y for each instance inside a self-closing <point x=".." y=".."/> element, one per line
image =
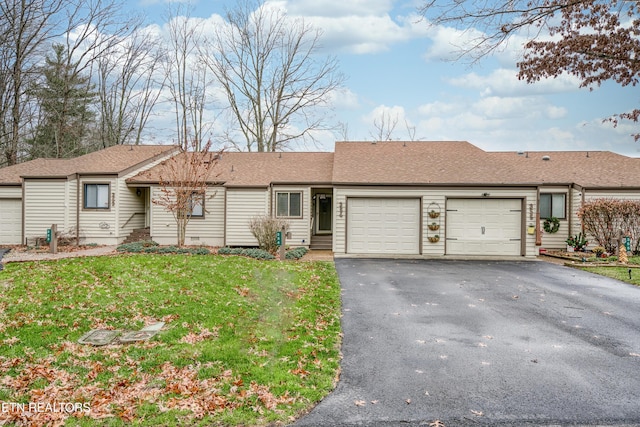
<point x="384" y="126"/>
<point x="275" y="82"/>
<point x="184" y="181"/>
<point x="187" y="77"/>
<point x="86" y="29"/>
<point x="129" y="84"/>
<point x="25" y="29"/>
<point x="594" y="40"/>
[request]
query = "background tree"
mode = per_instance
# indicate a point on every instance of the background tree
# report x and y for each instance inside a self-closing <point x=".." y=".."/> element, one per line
<point x="187" y="77"/>
<point x="594" y="40"/>
<point x="65" y="98"/>
<point x="183" y="185"/>
<point x="271" y="74"/>
<point x="130" y="81"/>
<point x="87" y="29"/>
<point x="25" y="29"/>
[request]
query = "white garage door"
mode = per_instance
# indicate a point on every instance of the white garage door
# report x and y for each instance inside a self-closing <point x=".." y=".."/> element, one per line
<point x="383" y="226"/>
<point x="484" y="227"/>
<point x="10" y="221"/>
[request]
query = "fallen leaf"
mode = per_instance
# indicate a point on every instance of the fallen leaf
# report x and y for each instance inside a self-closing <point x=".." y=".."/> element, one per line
<point x="408" y="401"/>
<point x="360" y="402"/>
<point x="437" y="423"/>
<point x="373" y="402"/>
<point x="477" y="413"/>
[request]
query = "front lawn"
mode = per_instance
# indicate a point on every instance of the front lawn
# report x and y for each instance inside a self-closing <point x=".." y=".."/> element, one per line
<point x="618" y="272"/>
<point x="245" y="342"/>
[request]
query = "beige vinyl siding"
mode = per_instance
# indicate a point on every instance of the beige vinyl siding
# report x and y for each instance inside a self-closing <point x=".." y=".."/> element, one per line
<point x="300" y="228"/>
<point x="557" y="240"/>
<point x="208" y="230"/>
<point x="576" y="204"/>
<point x="130" y="208"/>
<point x="47" y="202"/>
<point x="431" y="197"/>
<point x="10" y="192"/>
<point x="100" y="225"/>
<point x="242" y="205"/>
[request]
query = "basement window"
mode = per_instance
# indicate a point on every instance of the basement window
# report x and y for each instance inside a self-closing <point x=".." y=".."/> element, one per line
<point x="553" y="205"/>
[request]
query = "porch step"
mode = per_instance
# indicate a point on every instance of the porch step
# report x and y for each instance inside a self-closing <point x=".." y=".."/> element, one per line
<point x="322" y="242"/>
<point x="138" y="235"/>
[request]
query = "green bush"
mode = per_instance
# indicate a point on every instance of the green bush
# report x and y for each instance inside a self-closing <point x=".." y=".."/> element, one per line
<point x="250" y="252"/>
<point x="257" y="253"/>
<point x="150" y="247"/>
<point x="296" y="253"/>
<point x="136" y="247"/>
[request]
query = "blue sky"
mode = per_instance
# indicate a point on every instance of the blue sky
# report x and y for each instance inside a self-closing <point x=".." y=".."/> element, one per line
<point x="395" y="63"/>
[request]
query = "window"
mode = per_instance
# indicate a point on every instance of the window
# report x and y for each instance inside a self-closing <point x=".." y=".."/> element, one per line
<point x="552" y="205"/>
<point x="289" y="205"/>
<point x="96" y="196"/>
<point x="196" y="205"/>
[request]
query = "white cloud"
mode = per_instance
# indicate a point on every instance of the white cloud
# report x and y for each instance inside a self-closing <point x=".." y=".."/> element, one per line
<point x="339" y="8"/>
<point x="344" y="98"/>
<point x="504" y="82"/>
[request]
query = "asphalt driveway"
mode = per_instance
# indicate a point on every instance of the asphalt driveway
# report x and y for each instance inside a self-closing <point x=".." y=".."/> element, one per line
<point x="484" y="343"/>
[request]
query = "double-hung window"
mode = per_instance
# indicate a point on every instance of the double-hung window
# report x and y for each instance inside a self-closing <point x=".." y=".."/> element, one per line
<point x="96" y="196"/>
<point x="289" y="204"/>
<point x="552" y="205"/>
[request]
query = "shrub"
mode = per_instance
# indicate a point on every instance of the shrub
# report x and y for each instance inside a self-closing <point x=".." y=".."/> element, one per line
<point x="136" y="247"/>
<point x="250" y="252"/>
<point x="604" y="219"/>
<point x="296" y="253"/>
<point x="264" y="229"/>
<point x="598" y="251"/>
<point x="149" y="247"/>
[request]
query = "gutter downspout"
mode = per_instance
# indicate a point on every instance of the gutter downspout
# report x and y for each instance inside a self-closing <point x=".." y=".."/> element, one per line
<point x="77" y="209"/>
<point x="538" y="231"/>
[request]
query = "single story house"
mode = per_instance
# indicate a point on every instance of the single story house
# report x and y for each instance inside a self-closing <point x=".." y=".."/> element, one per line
<point x="87" y="194"/>
<point x="378" y="198"/>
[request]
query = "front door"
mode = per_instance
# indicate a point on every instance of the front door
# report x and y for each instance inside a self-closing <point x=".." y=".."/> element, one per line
<point x="323" y="214"/>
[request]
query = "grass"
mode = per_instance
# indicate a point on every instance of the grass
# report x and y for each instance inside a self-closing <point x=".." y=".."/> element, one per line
<point x="620" y="273"/>
<point x="246" y="342"/>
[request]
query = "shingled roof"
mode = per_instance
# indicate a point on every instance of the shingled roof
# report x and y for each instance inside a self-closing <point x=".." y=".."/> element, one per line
<point x="364" y="163"/>
<point x="590" y="169"/>
<point x="461" y="163"/>
<point x="242" y="169"/>
<point x="118" y="159"/>
<point x="394" y="162"/>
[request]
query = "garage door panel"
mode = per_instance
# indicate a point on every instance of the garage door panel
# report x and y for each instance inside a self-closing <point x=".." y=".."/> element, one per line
<point x="483" y="226"/>
<point x="383" y="226"/>
<point x="10" y="221"/>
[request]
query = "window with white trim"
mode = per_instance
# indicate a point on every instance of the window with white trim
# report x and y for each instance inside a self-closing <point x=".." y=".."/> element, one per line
<point x="289" y="204"/>
<point x="553" y="205"/>
<point x="196" y="205"/>
<point x="96" y="196"/>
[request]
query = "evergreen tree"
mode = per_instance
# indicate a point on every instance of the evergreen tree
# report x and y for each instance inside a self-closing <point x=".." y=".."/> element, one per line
<point x="65" y="99"/>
